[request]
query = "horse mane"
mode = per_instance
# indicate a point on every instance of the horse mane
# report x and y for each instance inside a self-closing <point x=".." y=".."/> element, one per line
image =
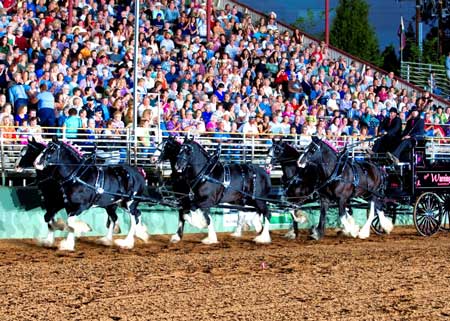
<point x="330" y="144"/>
<point x="202" y="149"/>
<point x="75" y="149"/>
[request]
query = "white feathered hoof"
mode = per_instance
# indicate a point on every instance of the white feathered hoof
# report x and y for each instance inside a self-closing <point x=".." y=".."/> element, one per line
<point x="290" y="235"/>
<point x="256" y="221"/>
<point x="105" y="241"/>
<point x="127" y="244"/>
<point x="387" y="225"/>
<point x="262" y="239"/>
<point x="315" y="234"/>
<point x="141" y="232"/>
<point x="209" y="240"/>
<point x="237" y="233"/>
<point x="46" y="243"/>
<point x="364" y="233"/>
<point x="80" y="228"/>
<point x="66" y="245"/>
<point x="175" y="238"/>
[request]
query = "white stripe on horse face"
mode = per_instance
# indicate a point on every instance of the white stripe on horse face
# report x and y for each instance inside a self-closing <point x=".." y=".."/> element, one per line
<point x="37" y="162"/>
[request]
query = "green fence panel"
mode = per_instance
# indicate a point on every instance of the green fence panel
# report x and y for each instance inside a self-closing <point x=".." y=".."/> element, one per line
<point x="22" y="217"/>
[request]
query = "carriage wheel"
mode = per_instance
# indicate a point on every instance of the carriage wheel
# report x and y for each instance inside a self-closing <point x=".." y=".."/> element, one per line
<point x="391" y="212"/>
<point x="445" y="221"/>
<point x="427" y="214"/>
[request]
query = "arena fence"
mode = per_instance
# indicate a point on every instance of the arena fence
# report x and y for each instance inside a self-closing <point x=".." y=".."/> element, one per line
<point x="137" y="150"/>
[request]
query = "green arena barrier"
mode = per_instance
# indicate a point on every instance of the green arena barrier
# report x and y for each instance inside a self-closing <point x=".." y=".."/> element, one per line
<point x="22" y="217"/>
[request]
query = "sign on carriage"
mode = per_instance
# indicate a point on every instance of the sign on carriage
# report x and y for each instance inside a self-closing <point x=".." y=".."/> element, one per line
<point x="432" y="180"/>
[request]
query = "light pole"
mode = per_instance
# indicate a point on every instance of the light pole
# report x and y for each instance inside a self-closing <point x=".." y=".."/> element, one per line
<point x="327" y="22"/>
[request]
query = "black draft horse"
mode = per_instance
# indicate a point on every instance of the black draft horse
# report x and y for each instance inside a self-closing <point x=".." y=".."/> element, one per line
<point x="211" y="183"/>
<point x="86" y="185"/>
<point x="168" y="150"/>
<point x="53" y="200"/>
<point x="341" y="179"/>
<point x="300" y="184"/>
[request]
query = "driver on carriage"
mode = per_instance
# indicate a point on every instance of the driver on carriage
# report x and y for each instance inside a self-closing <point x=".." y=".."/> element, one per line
<point x="391" y="129"/>
<point x="412" y="134"/>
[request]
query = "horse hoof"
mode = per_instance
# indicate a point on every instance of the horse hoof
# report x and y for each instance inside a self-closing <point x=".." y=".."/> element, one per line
<point x="290" y="235"/>
<point x="124" y="244"/>
<point x="80" y="228"/>
<point x="141" y="233"/>
<point x="315" y="235"/>
<point x="105" y="241"/>
<point x="66" y="246"/>
<point x="175" y="238"/>
<point x="45" y="243"/>
<point x="236" y="234"/>
<point x="260" y="239"/>
<point x="209" y="241"/>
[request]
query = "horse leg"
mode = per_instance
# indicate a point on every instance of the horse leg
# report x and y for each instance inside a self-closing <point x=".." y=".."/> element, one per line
<point x="318" y="232"/>
<point x="141" y="231"/>
<point x="68" y="244"/>
<point x="180" y="230"/>
<point x="52" y="225"/>
<point x="264" y="237"/>
<point x="347" y="220"/>
<point x="240" y="223"/>
<point x="385" y="223"/>
<point x="293" y="231"/>
<point x="107" y="240"/>
<point x="298" y="217"/>
<point x="212" y="236"/>
<point x="134" y="214"/>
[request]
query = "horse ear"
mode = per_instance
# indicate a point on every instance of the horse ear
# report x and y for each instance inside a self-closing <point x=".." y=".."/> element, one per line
<point x="315" y="139"/>
<point x="55" y="139"/>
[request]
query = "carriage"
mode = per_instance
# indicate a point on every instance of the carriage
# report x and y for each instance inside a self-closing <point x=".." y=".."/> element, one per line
<point x="422" y="183"/>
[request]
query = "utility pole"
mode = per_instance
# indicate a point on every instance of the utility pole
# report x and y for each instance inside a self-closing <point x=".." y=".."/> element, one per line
<point x="327" y="22"/>
<point x="440" y="29"/>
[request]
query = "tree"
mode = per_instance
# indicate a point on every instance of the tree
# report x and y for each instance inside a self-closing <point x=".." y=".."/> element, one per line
<point x="390" y="60"/>
<point x="312" y="22"/>
<point x="352" y="32"/>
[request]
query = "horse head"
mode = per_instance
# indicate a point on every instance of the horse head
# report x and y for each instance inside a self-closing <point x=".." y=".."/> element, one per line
<point x="28" y="154"/>
<point x="56" y="153"/>
<point x="316" y="152"/>
<point x="191" y="155"/>
<point x="168" y="149"/>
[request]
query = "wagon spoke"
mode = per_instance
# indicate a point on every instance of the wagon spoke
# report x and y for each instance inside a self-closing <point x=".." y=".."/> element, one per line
<point x="427" y="214"/>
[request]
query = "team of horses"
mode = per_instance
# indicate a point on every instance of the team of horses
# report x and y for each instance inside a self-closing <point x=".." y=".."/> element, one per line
<point x="199" y="180"/>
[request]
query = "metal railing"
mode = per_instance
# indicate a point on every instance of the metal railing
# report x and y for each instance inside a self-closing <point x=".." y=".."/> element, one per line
<point x="128" y="148"/>
<point x="427" y="76"/>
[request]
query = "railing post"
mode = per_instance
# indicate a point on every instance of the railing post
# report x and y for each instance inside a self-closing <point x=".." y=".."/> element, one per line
<point x="2" y="148"/>
<point x="128" y="139"/>
<point x="408" y="70"/>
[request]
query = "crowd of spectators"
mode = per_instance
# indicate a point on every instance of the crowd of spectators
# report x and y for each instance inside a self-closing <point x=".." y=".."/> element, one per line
<point x="250" y="77"/>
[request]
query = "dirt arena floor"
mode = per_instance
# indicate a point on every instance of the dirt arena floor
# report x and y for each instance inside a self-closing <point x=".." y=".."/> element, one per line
<point x="398" y="277"/>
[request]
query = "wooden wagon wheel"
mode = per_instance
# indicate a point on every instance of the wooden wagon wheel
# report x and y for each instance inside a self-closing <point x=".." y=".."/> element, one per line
<point x="427" y="214"/>
<point x="391" y="212"/>
<point x="445" y="221"/>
